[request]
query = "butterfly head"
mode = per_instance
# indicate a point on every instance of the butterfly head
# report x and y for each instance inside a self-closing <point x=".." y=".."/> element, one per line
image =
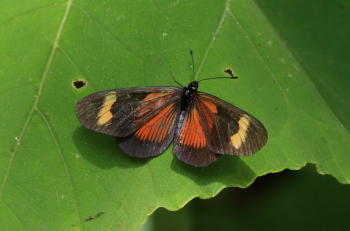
<point x="193" y="86"/>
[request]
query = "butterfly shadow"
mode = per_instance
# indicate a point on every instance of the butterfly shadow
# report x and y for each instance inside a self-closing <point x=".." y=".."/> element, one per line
<point x="102" y="150"/>
<point x="228" y="170"/>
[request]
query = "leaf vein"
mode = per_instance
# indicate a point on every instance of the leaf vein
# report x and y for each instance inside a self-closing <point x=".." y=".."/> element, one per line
<point x="215" y="35"/>
<point x="280" y="87"/>
<point x="36" y="101"/>
<point x="257" y="51"/>
<point x="64" y="161"/>
<point x="27" y="12"/>
<point x="71" y="61"/>
<point x="103" y="27"/>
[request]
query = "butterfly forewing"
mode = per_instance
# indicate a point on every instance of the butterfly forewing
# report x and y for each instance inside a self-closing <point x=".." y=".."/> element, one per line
<point x="231" y="130"/>
<point x="122" y="112"/>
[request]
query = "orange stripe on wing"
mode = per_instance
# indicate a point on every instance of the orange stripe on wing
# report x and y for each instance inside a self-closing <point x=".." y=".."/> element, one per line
<point x="208" y="109"/>
<point x="192" y="133"/>
<point x="158" y="127"/>
<point x="211" y="106"/>
<point x="166" y="128"/>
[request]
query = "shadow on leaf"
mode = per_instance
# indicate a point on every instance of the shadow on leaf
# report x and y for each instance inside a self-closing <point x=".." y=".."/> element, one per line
<point x="102" y="150"/>
<point x="228" y="170"/>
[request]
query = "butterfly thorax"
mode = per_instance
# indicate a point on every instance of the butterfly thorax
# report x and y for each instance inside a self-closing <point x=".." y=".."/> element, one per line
<point x="187" y="94"/>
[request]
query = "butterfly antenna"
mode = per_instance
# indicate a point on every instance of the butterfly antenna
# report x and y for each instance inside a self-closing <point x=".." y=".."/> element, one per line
<point x="228" y="71"/>
<point x="172" y="76"/>
<point x="192" y="56"/>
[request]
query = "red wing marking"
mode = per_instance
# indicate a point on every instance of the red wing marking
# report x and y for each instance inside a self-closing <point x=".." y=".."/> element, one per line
<point x="211" y="106"/>
<point x="158" y="127"/>
<point x="208" y="108"/>
<point x="192" y="133"/>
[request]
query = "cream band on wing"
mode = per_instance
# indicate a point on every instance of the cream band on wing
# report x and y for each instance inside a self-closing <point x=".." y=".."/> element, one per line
<point x="239" y="138"/>
<point x="105" y="115"/>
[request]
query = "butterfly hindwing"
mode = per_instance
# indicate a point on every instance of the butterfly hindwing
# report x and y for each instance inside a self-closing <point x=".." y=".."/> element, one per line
<point x="230" y="130"/>
<point x="191" y="144"/>
<point x="198" y="157"/>
<point x="155" y="135"/>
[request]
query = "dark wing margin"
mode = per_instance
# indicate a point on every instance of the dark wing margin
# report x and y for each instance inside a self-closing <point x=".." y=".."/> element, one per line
<point x="231" y="130"/>
<point x="122" y="112"/>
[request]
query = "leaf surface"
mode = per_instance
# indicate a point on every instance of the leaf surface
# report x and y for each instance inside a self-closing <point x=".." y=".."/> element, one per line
<point x="55" y="174"/>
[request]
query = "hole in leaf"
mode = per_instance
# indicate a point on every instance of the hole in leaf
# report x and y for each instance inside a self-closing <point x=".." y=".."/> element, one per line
<point x="78" y="84"/>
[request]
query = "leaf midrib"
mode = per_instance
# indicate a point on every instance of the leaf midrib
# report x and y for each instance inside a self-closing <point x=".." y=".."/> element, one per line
<point x="35" y="108"/>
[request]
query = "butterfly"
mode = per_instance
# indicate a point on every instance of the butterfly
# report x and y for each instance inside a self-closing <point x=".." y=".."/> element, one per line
<point x="147" y="119"/>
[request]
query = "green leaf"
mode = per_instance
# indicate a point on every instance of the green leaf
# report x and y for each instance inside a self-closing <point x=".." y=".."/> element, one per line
<point x="317" y="33"/>
<point x="55" y="174"/>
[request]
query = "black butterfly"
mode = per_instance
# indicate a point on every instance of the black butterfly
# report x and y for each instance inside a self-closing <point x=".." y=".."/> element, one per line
<point x="147" y="119"/>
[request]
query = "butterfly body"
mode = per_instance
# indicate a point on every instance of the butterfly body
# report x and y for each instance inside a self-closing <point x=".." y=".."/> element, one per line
<point x="187" y="94"/>
<point x="147" y="119"/>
